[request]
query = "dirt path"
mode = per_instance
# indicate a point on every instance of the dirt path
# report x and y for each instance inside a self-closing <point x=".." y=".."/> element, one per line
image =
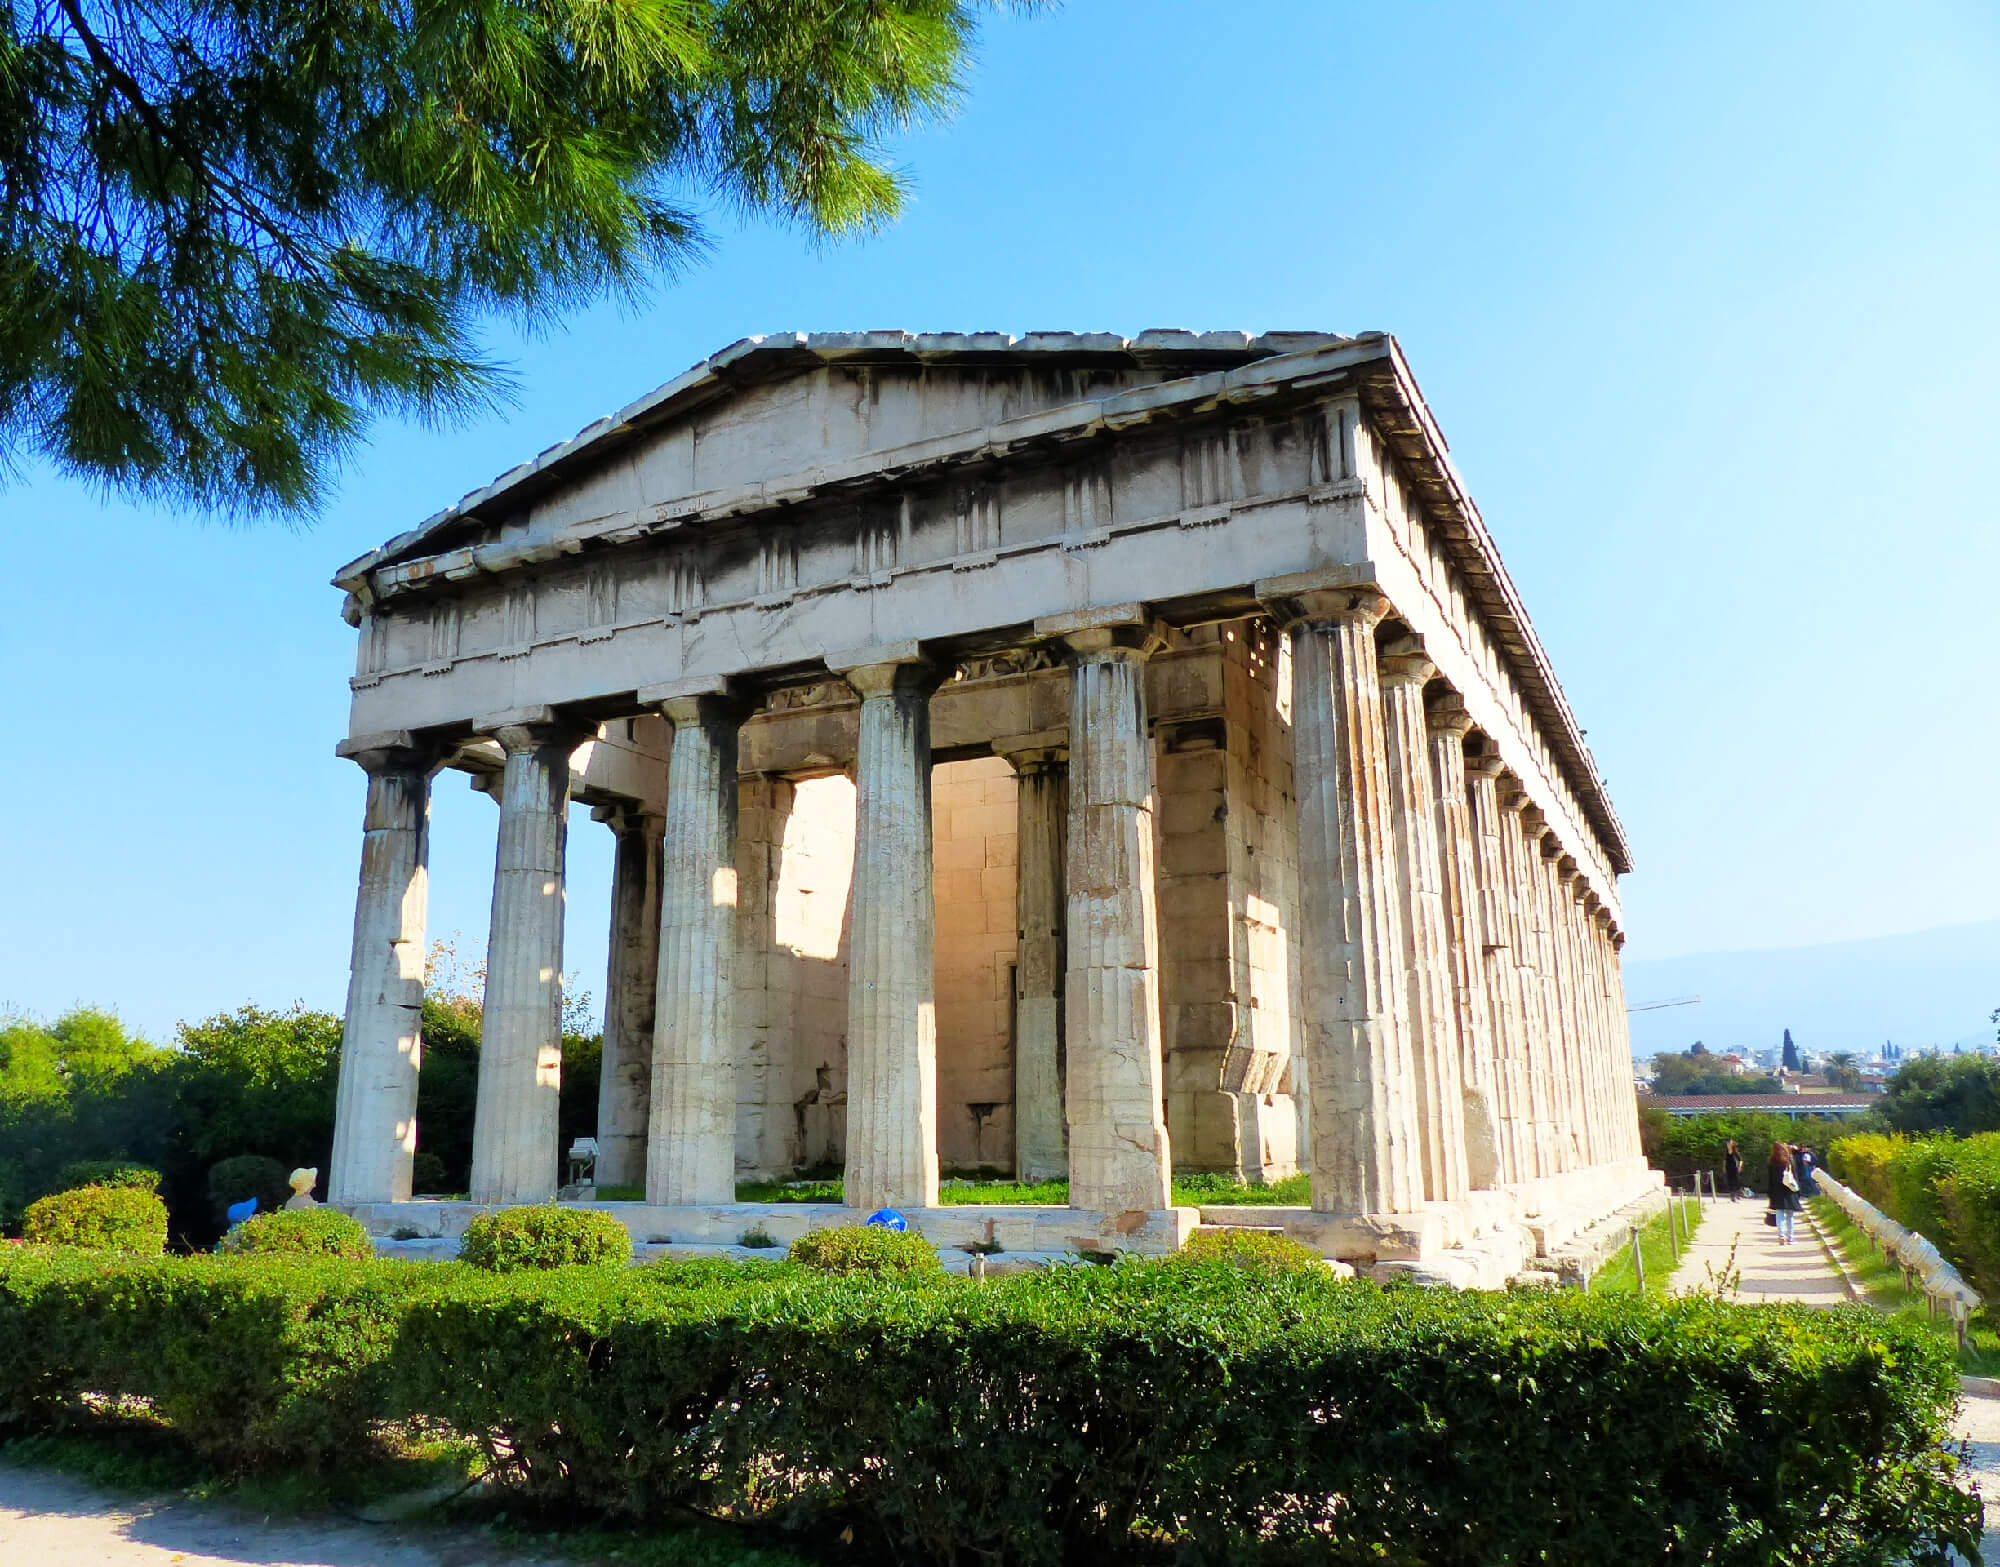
<point x="50" y="1520"/>
<point x="1769" y="1271"/>
<point x="1802" y="1272"/>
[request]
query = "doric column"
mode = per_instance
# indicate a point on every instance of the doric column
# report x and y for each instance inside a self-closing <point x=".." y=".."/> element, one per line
<point x="1431" y="1006"/>
<point x="1543" y="852"/>
<point x="691" y="1146"/>
<point x="1041" y="1150"/>
<point x="1525" y="888"/>
<point x="1497" y="923"/>
<point x="1118" y="1154"/>
<point x="1628" y="1102"/>
<point x="892" y="1158"/>
<point x="1591" y="976"/>
<point x="625" y="1082"/>
<point x="515" y="1120"/>
<point x="381" y="1047"/>
<point x="1465" y="945"/>
<point x="1365" y="1152"/>
<point x="1576" y="994"/>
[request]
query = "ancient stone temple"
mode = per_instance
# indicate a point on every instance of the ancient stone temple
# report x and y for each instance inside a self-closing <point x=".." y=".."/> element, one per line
<point x="1059" y="755"/>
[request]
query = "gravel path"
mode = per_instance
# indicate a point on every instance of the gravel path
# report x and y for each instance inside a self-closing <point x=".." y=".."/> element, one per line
<point x="50" y="1520"/>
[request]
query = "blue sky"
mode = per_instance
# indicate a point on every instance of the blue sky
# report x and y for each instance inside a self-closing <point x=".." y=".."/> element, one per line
<point x="1704" y="298"/>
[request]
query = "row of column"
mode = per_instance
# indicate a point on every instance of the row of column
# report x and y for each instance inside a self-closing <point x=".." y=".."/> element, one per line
<point x="1090" y="844"/>
<point x="1464" y="1021"/>
<point x="1462" y="1025"/>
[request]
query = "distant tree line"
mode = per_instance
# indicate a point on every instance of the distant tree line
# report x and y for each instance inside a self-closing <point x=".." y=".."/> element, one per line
<point x="246" y="1083"/>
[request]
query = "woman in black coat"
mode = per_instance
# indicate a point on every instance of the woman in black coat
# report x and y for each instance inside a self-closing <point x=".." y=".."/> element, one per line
<point x="1732" y="1171"/>
<point x="1783" y="1189"/>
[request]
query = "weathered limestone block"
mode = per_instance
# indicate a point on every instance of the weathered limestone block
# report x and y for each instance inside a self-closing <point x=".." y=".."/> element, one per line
<point x="892" y="1157"/>
<point x="1479" y="1067"/>
<point x="1119" y="1158"/>
<point x="1365" y="1152"/>
<point x="514" y="1129"/>
<point x="381" y="1047"/>
<point x="625" y="1083"/>
<point x="691" y="1150"/>
<point x="1041" y="1151"/>
<point x="1431" y="1009"/>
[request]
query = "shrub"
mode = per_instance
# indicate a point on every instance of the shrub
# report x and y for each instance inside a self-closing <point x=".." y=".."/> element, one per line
<point x="247" y="1175"/>
<point x="278" y="1362"/>
<point x="107" y="1172"/>
<point x="546" y="1236"/>
<point x="1114" y="1414"/>
<point x="865" y="1248"/>
<point x="1258" y="1251"/>
<point x="300" y="1232"/>
<point x="1862" y="1160"/>
<point x="99" y="1218"/>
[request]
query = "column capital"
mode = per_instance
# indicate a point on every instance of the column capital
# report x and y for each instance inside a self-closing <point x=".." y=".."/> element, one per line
<point x="886" y="669"/>
<point x="394" y="751"/>
<point x="623" y="816"/>
<point x="1045" y="748"/>
<point x="1485" y="766"/>
<point x="1514" y="797"/>
<point x="1112" y="632"/>
<point x="697" y="697"/>
<point x="1404" y="663"/>
<point x="1330" y="593"/>
<point x="521" y="729"/>
<point x="1446" y="715"/>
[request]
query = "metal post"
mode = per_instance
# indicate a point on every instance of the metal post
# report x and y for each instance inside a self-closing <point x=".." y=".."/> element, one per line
<point x="1674" y="1221"/>
<point x="1638" y="1261"/>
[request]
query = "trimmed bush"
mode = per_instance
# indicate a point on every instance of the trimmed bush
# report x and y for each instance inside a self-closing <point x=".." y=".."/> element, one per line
<point x="107" y="1172"/>
<point x="99" y="1218"/>
<point x="864" y="1248"/>
<point x="247" y="1175"/>
<point x="299" y="1232"/>
<point x="1256" y="1250"/>
<point x="1946" y="1189"/>
<point x="545" y="1236"/>
<point x="256" y="1363"/>
<point x="1123" y="1415"/>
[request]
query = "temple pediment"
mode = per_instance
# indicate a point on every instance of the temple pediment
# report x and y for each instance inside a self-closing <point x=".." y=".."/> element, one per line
<point x="768" y="415"/>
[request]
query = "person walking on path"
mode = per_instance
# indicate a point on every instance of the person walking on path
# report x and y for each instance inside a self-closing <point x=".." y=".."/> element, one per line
<point x="1804" y="1167"/>
<point x="1783" y="1189"/>
<point x="1732" y="1171"/>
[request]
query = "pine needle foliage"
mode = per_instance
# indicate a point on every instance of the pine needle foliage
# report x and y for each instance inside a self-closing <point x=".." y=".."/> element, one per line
<point x="233" y="231"/>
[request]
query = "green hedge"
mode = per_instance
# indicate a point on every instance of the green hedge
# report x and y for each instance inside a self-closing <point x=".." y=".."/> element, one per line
<point x="544" y="1236"/>
<point x="1133" y="1413"/>
<point x="1945" y="1188"/>
<point x="864" y="1248"/>
<point x="99" y="1218"/>
<point x="107" y="1172"/>
<point x="299" y="1232"/>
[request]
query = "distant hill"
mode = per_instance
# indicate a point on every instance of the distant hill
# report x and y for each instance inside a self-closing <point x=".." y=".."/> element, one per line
<point x="1930" y="987"/>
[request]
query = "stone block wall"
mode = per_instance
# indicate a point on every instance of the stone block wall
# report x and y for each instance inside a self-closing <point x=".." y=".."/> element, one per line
<point x="795" y="861"/>
<point x="974" y="827"/>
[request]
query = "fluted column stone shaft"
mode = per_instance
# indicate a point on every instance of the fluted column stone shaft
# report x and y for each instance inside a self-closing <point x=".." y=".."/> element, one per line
<point x="1503" y="984"/>
<point x="691" y="1149"/>
<point x="1465" y="947"/>
<point x="1591" y="978"/>
<point x="1543" y="852"/>
<point x="381" y="1046"/>
<point x="1431" y="1008"/>
<point x="1365" y="1153"/>
<point x="625" y="1082"/>
<point x="1524" y="877"/>
<point x="1628" y="1115"/>
<point x="515" y="1119"/>
<point x="1041" y="1151"/>
<point x="1118" y="1153"/>
<point x="892" y="1147"/>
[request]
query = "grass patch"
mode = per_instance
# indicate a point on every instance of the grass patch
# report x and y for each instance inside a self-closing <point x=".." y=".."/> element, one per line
<point x="1881" y="1284"/>
<point x="1225" y="1191"/>
<point x="1656" y="1246"/>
